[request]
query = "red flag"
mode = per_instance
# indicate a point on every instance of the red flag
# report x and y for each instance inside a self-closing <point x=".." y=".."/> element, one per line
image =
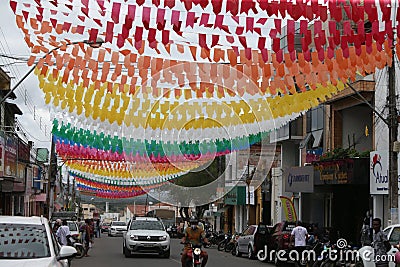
<point x="219" y="20"/>
<point x="249" y="24"/>
<point x="115" y="12"/>
<point x="146" y="17"/>
<point x="217" y="5"/>
<point x="190" y="19"/>
<point x="204" y="19"/>
<point x="109" y="31"/>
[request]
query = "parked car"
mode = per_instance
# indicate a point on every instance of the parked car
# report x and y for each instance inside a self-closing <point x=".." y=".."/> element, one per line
<point x="253" y="239"/>
<point x="393" y="234"/>
<point x="146" y="235"/>
<point x="117" y="228"/>
<point x="104" y="227"/>
<point x="280" y="235"/>
<point x="29" y="241"/>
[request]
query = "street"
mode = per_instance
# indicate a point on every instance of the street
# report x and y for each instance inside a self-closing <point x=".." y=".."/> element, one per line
<point x="107" y="251"/>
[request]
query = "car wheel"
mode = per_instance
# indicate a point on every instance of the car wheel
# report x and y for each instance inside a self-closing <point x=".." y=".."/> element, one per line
<point x="250" y="253"/>
<point x="237" y="252"/>
<point x="126" y="252"/>
<point x="167" y="254"/>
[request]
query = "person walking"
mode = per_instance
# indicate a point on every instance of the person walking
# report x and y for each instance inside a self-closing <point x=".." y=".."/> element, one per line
<point x="380" y="244"/>
<point x="63" y="233"/>
<point x="87" y="233"/>
<point x="97" y="223"/>
<point x="300" y="236"/>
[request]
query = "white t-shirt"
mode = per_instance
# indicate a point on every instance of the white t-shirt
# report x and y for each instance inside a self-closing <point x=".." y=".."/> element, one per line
<point x="300" y="234"/>
<point x="62" y="233"/>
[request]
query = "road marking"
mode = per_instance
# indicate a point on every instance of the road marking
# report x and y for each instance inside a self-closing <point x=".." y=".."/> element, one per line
<point x="175" y="260"/>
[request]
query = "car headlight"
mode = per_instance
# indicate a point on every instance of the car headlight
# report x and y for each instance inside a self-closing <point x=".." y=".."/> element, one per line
<point x="134" y="237"/>
<point x="197" y="251"/>
<point x="163" y="238"/>
<point x="112" y="228"/>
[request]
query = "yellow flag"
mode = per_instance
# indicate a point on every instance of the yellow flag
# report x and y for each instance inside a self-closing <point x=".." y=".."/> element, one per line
<point x="288" y="207"/>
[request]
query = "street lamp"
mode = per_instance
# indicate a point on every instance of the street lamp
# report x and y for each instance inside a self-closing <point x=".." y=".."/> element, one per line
<point x="53" y="159"/>
<point x="94" y="44"/>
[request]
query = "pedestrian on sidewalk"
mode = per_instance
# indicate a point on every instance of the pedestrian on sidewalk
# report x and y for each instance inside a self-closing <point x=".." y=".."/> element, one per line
<point x="380" y="244"/>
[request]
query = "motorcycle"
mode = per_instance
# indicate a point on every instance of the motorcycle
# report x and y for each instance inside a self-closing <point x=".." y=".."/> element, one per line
<point x="73" y="242"/>
<point x="193" y="255"/>
<point x="214" y="238"/>
<point x="223" y="243"/>
<point x="230" y="247"/>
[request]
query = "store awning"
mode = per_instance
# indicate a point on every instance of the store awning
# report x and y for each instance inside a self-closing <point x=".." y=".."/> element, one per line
<point x="13" y="108"/>
<point x="317" y="138"/>
<point x="304" y="142"/>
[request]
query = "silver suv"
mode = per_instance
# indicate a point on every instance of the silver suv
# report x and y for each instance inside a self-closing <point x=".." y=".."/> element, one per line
<point x="146" y="235"/>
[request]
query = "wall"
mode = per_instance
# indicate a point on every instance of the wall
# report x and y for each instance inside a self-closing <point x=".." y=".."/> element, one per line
<point x="355" y="119"/>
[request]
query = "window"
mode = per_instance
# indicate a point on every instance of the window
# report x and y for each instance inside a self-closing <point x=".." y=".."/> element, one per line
<point x="247" y="231"/>
<point x="395" y="236"/>
<point x="252" y="229"/>
<point x="72" y="226"/>
<point x="20" y="241"/>
<point x="56" y="245"/>
<point x="147" y="225"/>
<point x="118" y="224"/>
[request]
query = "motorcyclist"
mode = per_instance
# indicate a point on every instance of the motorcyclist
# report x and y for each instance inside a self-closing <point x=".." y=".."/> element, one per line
<point x="196" y="236"/>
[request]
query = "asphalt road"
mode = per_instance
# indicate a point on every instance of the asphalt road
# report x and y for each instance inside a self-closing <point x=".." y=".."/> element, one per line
<point x="107" y="251"/>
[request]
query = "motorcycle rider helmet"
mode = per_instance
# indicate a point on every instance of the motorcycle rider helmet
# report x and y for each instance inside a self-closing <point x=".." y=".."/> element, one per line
<point x="193" y="222"/>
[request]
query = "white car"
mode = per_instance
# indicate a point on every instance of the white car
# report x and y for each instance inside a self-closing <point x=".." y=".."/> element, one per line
<point x="393" y="234"/>
<point x="146" y="235"/>
<point x="117" y="228"/>
<point x="29" y="241"/>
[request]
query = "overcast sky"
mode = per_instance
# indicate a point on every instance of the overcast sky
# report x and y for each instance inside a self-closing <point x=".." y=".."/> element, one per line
<point x="36" y="119"/>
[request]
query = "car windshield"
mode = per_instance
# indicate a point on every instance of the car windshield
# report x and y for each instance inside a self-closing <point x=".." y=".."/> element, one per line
<point x="119" y="224"/>
<point x="147" y="225"/>
<point x="72" y="226"/>
<point x="20" y="241"/>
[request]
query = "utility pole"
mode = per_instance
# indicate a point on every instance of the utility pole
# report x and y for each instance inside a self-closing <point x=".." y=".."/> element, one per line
<point x="67" y="206"/>
<point x="393" y="132"/>
<point x="73" y="195"/>
<point x="51" y="178"/>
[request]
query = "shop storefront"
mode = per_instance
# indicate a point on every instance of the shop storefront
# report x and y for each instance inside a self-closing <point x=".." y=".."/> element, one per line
<point x="341" y="195"/>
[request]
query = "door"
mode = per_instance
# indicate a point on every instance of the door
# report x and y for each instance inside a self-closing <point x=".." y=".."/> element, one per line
<point x="242" y="240"/>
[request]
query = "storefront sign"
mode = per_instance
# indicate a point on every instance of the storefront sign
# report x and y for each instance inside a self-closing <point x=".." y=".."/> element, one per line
<point x="341" y="171"/>
<point x="379" y="172"/>
<point x="10" y="156"/>
<point x="299" y="179"/>
<point x="236" y="196"/>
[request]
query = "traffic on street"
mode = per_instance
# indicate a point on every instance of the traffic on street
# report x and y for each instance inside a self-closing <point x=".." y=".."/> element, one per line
<point x="107" y="251"/>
